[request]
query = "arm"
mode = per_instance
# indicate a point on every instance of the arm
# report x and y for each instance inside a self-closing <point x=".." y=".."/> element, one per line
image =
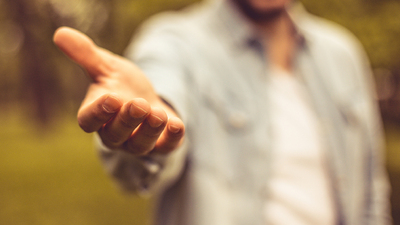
<point x="379" y="187"/>
<point x="136" y="127"/>
<point x="380" y="212"/>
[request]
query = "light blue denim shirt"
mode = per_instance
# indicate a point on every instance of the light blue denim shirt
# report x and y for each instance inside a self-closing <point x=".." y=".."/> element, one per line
<point x="209" y="65"/>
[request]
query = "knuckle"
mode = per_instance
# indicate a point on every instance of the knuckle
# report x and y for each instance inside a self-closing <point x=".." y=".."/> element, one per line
<point x="153" y="135"/>
<point x="99" y="117"/>
<point x="154" y="132"/>
<point x="175" y="136"/>
<point x="125" y="123"/>
<point x="84" y="126"/>
<point x="99" y="114"/>
<point x="166" y="148"/>
<point x="140" y="147"/>
<point x="113" y="138"/>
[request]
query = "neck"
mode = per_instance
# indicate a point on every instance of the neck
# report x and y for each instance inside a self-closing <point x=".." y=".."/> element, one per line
<point x="276" y="30"/>
<point x="279" y="40"/>
<point x="276" y="27"/>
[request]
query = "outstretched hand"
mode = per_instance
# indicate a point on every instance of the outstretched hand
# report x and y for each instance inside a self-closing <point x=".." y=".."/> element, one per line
<point x="120" y="103"/>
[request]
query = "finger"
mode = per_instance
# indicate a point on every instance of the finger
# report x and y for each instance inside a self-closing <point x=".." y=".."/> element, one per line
<point x="120" y="128"/>
<point x="82" y="50"/>
<point x="94" y="115"/>
<point x="145" y="137"/>
<point x="171" y="137"/>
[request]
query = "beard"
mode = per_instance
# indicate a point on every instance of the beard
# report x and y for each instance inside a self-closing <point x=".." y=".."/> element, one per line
<point x="258" y="15"/>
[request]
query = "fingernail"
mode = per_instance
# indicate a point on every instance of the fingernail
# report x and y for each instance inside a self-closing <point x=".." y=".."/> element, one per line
<point x="155" y="121"/>
<point x="136" y="111"/>
<point x="111" y="105"/>
<point x="174" y="129"/>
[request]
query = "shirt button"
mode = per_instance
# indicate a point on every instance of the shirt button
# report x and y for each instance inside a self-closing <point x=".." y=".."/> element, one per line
<point x="151" y="167"/>
<point x="237" y="120"/>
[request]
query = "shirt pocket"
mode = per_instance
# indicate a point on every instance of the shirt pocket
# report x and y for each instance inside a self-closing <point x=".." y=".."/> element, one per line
<point x="235" y="109"/>
<point x="228" y="125"/>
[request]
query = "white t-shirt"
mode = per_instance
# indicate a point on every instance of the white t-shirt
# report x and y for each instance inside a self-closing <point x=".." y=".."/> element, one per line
<point x="299" y="191"/>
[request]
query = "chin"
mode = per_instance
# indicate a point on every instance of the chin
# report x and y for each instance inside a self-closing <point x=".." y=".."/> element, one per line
<point x="267" y="5"/>
<point x="262" y="10"/>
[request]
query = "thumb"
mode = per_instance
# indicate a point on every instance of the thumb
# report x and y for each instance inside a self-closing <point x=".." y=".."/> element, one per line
<point x="81" y="49"/>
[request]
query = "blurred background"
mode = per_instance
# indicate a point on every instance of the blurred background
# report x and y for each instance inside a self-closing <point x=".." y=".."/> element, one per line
<point x="49" y="171"/>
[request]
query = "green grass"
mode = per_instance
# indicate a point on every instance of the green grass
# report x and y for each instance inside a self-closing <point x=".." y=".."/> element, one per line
<point x="54" y="176"/>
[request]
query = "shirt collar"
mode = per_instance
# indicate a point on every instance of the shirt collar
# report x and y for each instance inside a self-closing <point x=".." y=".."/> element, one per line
<point x="238" y="26"/>
<point x="241" y="30"/>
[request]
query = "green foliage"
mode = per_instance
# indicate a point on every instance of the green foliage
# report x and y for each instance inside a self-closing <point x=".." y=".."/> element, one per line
<point x="34" y="72"/>
<point x="127" y="15"/>
<point x="375" y="23"/>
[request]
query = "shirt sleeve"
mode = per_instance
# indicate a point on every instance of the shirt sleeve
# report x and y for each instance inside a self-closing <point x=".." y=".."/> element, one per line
<point x="143" y="175"/>
<point x="380" y="190"/>
<point x="161" y="51"/>
<point x="157" y="51"/>
<point x="379" y="211"/>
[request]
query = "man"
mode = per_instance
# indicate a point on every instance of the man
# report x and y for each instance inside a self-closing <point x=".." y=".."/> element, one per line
<point x="281" y="126"/>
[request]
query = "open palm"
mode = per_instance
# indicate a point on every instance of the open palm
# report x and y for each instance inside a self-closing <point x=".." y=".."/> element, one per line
<point x="120" y="103"/>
